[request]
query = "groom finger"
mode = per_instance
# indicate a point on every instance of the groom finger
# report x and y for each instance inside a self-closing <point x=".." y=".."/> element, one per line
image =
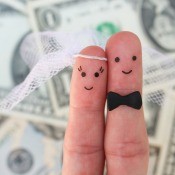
<point x="83" y="145"/>
<point x="126" y="143"/>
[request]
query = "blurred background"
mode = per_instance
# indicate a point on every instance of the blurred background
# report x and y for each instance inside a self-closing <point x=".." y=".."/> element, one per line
<point x="32" y="135"/>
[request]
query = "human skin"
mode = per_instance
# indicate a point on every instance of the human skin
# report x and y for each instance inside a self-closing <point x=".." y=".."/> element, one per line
<point x="123" y="143"/>
<point x="126" y="142"/>
<point x="83" y="145"/>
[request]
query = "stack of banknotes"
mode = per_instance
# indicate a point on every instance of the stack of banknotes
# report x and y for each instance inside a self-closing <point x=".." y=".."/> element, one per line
<point x="32" y="135"/>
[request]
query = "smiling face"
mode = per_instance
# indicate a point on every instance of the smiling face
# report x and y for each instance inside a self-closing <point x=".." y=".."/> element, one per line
<point x="96" y="74"/>
<point x="90" y="77"/>
<point x="124" y="60"/>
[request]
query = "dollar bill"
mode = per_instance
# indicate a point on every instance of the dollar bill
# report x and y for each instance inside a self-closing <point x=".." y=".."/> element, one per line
<point x="152" y="113"/>
<point x="71" y="16"/>
<point x="163" y="135"/>
<point x="27" y="147"/>
<point x="158" y="19"/>
<point x="158" y="73"/>
<point x="148" y="19"/>
<point x="74" y="15"/>
<point x="107" y="17"/>
<point x="167" y="165"/>
<point x="18" y="5"/>
<point x="13" y="70"/>
<point x="23" y="1"/>
<point x="110" y="16"/>
<point x="153" y="159"/>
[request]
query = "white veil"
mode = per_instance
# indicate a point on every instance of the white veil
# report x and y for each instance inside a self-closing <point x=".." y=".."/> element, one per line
<point x="47" y="53"/>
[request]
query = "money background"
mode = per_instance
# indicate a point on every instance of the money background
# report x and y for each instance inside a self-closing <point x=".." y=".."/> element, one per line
<point x="32" y="135"/>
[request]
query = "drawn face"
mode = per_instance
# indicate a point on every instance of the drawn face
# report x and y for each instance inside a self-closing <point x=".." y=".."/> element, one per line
<point x="117" y="60"/>
<point x="96" y="74"/>
<point x="124" y="62"/>
<point x="90" y="78"/>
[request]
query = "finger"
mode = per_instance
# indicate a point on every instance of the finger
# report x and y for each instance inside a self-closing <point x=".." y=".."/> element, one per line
<point x="126" y="143"/>
<point x="84" y="146"/>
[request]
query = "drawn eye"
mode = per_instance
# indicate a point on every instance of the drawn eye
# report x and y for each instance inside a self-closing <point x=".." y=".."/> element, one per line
<point x="101" y="69"/>
<point x="117" y="59"/>
<point x="83" y="74"/>
<point x="96" y="74"/>
<point x="134" y="58"/>
<point x="80" y="69"/>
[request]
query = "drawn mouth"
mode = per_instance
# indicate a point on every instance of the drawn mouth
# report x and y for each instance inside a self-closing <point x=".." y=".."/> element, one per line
<point x="88" y="88"/>
<point x="127" y="72"/>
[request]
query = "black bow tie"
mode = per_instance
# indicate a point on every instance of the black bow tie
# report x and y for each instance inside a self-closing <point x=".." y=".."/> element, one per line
<point x="133" y="100"/>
